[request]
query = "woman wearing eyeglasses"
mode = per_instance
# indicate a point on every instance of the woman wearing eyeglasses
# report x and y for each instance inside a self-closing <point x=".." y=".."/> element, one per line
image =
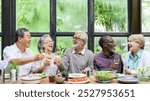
<point x="45" y="46"/>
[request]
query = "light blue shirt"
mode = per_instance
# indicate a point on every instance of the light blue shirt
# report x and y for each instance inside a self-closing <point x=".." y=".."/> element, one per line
<point x="133" y="61"/>
<point x="141" y="60"/>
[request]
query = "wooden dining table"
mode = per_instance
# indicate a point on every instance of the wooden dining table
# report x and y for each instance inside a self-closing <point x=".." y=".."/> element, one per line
<point x="92" y="80"/>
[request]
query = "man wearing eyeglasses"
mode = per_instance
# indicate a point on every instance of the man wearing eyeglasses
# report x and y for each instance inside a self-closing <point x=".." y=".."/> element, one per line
<point x="77" y="59"/>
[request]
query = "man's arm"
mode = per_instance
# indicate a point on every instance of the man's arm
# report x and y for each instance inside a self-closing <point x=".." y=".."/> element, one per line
<point x="63" y="64"/>
<point x="25" y="60"/>
<point x="10" y="56"/>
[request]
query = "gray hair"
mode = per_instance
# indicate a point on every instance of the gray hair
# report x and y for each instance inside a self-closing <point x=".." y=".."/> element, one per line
<point x="83" y="36"/>
<point x="40" y="42"/>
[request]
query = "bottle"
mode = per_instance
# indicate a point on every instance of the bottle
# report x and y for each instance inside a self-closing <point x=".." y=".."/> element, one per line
<point x="88" y="73"/>
<point x="3" y="75"/>
<point x="13" y="75"/>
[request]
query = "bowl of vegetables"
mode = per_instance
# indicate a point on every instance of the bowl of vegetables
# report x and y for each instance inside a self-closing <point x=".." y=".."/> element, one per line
<point x="104" y="76"/>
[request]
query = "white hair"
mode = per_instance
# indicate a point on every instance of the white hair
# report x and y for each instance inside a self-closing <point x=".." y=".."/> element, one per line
<point x="84" y="36"/>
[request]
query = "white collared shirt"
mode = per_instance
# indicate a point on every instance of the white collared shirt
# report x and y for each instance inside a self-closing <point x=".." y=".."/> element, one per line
<point x="11" y="52"/>
<point x="82" y="52"/>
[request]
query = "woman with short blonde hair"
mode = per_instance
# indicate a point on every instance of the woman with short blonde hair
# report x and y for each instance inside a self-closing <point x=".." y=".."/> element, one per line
<point x="137" y="56"/>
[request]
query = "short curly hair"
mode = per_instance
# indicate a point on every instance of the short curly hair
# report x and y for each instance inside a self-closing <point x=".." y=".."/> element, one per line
<point x="137" y="38"/>
<point x="40" y="42"/>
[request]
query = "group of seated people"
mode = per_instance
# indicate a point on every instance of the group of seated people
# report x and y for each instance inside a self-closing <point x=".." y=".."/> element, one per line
<point x="76" y="59"/>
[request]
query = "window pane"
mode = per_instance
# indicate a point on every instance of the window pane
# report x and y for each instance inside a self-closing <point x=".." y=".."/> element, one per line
<point x="34" y="45"/>
<point x="0" y="16"/>
<point x="0" y="47"/>
<point x="33" y="14"/>
<point x="145" y="15"/>
<point x="71" y="15"/>
<point x="147" y="44"/>
<point x="62" y="44"/>
<point x="111" y="16"/>
<point x="121" y="45"/>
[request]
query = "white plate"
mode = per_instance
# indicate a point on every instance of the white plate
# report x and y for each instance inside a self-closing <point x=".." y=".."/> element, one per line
<point x="81" y="82"/>
<point x="31" y="79"/>
<point x="77" y="75"/>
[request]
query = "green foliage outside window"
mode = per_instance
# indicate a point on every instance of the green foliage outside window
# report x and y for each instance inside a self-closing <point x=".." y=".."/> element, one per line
<point x="33" y="15"/>
<point x="111" y="14"/>
<point x="71" y="15"/>
<point x="62" y="44"/>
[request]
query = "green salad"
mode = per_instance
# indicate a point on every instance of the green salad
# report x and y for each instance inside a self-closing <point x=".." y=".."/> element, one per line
<point x="103" y="76"/>
<point x="43" y="75"/>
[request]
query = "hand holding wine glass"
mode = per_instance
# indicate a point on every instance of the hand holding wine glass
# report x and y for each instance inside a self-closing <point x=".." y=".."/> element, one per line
<point x="116" y="63"/>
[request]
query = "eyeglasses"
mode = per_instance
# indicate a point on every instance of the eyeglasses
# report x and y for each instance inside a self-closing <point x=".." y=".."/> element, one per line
<point x="48" y="41"/>
<point x="76" y="38"/>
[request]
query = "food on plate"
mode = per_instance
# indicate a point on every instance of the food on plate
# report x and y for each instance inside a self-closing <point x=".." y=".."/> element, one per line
<point x="103" y="76"/>
<point x="43" y="75"/>
<point x="31" y="79"/>
<point x="77" y="75"/>
<point x="78" y="79"/>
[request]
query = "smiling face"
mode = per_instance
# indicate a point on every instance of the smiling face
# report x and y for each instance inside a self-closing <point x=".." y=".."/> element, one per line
<point x="134" y="46"/>
<point x="77" y="41"/>
<point x="109" y="45"/>
<point x="136" y="42"/>
<point x="48" y="44"/>
<point x="25" y="40"/>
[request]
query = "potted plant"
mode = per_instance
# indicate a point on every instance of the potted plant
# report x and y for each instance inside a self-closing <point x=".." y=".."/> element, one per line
<point x="13" y="72"/>
<point x="52" y="77"/>
<point x="65" y="74"/>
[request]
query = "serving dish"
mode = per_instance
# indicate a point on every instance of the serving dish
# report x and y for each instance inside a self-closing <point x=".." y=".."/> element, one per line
<point x="128" y="80"/>
<point x="77" y="75"/>
<point x="108" y="81"/>
<point x="31" y="79"/>
<point x="103" y="76"/>
<point x="79" y="82"/>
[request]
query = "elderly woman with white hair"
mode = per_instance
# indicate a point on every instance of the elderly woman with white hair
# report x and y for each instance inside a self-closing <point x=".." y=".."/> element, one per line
<point x="45" y="46"/>
<point x="137" y="56"/>
<point x="77" y="59"/>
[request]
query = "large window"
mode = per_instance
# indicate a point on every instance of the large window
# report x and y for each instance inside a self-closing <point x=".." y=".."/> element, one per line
<point x="0" y="15"/>
<point x="145" y="15"/>
<point x="62" y="44"/>
<point x="34" y="44"/>
<point x="71" y="15"/>
<point x="0" y="31"/>
<point x="33" y="14"/>
<point x="61" y="18"/>
<point x="111" y="16"/>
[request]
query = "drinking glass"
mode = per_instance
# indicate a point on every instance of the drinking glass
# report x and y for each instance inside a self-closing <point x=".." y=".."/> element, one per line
<point x="116" y="62"/>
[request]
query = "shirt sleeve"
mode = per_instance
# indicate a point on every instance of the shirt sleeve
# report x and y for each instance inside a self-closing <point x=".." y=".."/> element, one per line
<point x="7" y="54"/>
<point x="65" y="62"/>
<point x="90" y="61"/>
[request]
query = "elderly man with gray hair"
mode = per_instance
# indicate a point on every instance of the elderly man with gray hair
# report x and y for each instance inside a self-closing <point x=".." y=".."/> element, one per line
<point x="77" y="59"/>
<point x="137" y="56"/>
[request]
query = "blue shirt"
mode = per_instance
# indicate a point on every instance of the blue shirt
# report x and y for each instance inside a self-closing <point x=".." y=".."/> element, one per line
<point x="133" y="61"/>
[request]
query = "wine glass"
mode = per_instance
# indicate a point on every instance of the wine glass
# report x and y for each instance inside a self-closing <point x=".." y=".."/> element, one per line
<point x="116" y="63"/>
